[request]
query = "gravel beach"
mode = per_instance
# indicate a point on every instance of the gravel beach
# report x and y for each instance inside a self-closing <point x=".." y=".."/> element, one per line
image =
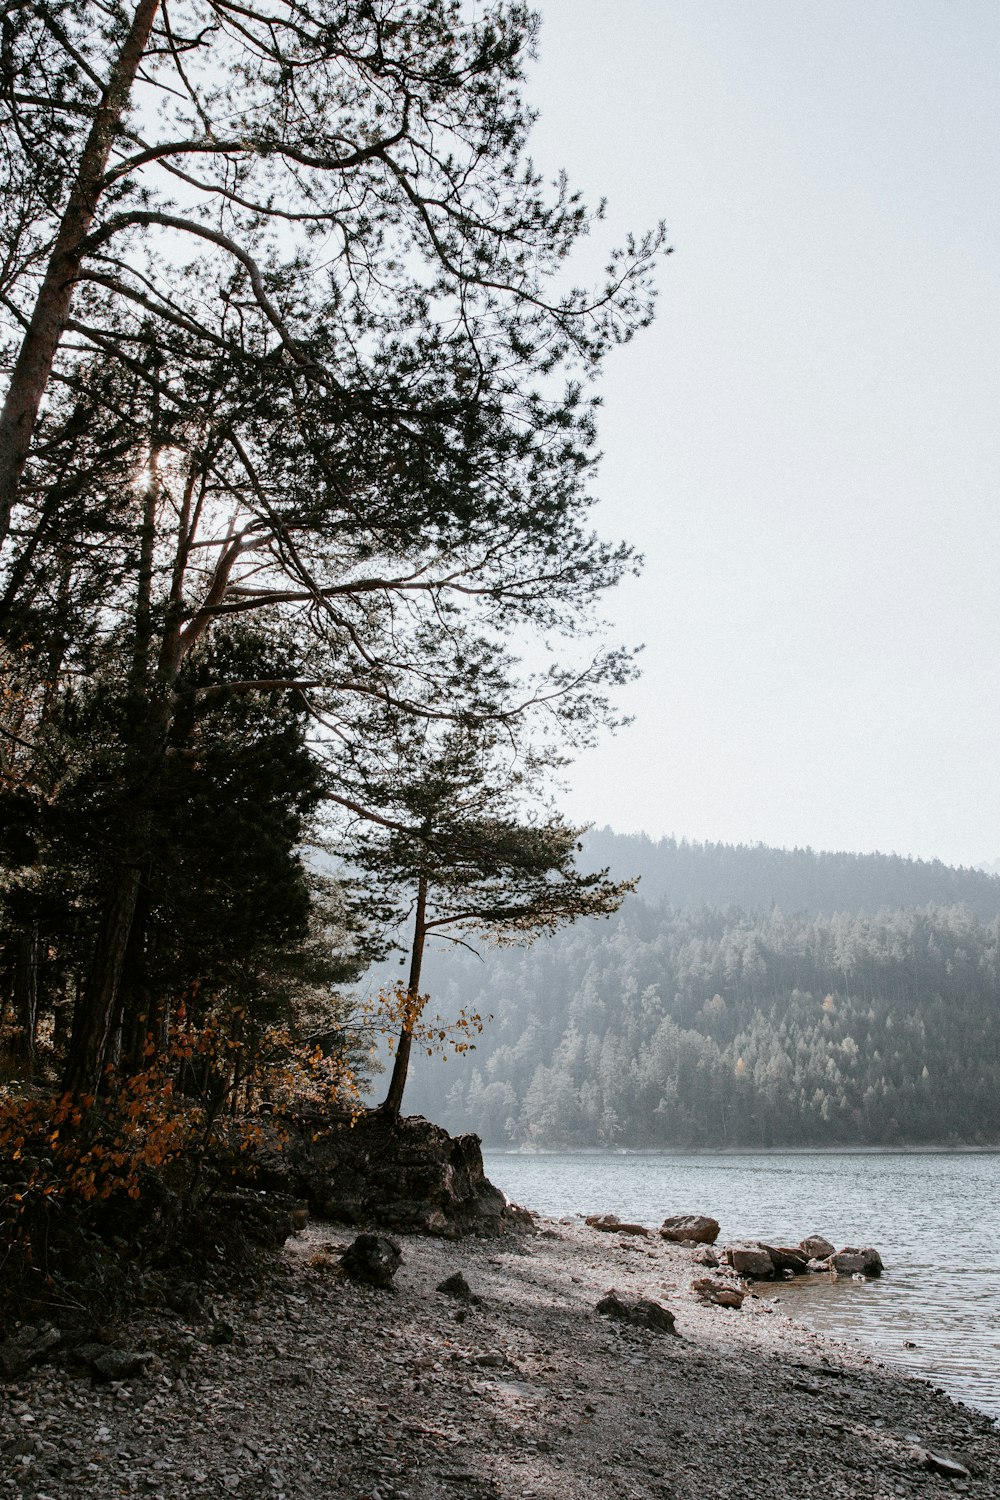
<point x="321" y="1389"/>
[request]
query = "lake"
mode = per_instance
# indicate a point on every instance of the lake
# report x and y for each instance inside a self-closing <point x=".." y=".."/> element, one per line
<point x="933" y="1216"/>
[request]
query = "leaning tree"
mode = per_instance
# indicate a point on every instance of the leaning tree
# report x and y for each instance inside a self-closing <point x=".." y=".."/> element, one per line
<point x="449" y="835"/>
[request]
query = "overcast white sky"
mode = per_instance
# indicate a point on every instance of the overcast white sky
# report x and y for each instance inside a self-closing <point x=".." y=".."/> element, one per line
<point x="806" y="444"/>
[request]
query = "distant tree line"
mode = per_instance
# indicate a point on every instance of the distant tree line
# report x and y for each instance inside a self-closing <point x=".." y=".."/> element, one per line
<point x="756" y="877"/>
<point x="704" y="1027"/>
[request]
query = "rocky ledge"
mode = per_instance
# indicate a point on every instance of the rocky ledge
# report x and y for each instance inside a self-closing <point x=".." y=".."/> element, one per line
<point x="406" y="1175"/>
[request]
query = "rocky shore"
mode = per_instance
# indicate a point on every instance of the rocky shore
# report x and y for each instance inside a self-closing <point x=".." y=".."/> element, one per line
<point x="509" y="1384"/>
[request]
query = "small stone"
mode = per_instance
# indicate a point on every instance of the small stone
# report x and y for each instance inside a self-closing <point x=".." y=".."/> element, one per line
<point x="456" y="1286"/>
<point x="373" y="1259"/>
<point x="941" y="1463"/>
<point x="611" y="1224"/>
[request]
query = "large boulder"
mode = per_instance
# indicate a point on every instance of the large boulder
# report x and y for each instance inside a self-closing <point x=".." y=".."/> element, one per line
<point x="29" y="1346"/>
<point x="854" y="1262"/>
<point x="749" y="1260"/>
<point x="784" y="1258"/>
<point x="696" y="1228"/>
<point x="405" y="1175"/>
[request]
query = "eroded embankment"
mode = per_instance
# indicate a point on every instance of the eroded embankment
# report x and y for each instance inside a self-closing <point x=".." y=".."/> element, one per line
<point x="327" y="1389"/>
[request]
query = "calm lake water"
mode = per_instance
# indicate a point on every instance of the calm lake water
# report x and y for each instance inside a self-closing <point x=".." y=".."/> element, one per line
<point x="934" y="1217"/>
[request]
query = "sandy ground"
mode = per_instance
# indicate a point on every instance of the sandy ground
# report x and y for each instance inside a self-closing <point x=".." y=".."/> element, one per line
<point x="327" y="1389"/>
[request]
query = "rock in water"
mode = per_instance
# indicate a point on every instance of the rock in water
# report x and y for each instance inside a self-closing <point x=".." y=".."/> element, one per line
<point x="696" y="1227"/>
<point x="749" y="1260"/>
<point x="816" y="1247"/>
<point x="852" y="1261"/>
<point x="785" y="1258"/>
<point x="640" y="1312"/>
<point x="373" y="1259"/>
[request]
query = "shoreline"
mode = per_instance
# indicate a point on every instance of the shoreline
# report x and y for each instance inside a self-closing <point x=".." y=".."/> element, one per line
<point x="742" y="1150"/>
<point x="319" y="1389"/>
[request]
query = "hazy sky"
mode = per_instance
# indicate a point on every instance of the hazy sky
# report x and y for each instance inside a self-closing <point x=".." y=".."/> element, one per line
<point x="805" y="446"/>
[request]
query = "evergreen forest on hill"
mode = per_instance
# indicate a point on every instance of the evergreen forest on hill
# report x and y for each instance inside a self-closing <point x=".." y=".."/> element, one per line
<point x="702" y="1024"/>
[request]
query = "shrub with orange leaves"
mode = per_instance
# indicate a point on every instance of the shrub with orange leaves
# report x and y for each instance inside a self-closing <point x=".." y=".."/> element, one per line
<point x="395" y="1007"/>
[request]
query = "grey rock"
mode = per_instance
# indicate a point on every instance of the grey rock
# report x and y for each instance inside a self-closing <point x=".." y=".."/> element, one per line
<point x="640" y="1312"/>
<point x="108" y="1363"/>
<point x="373" y="1259"/>
<point x="941" y="1463"/>
<point x="456" y="1286"/>
<point x="784" y="1258"/>
<point x="29" y="1346"/>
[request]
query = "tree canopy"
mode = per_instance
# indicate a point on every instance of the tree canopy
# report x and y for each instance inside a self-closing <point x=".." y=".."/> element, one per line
<point x="295" y="464"/>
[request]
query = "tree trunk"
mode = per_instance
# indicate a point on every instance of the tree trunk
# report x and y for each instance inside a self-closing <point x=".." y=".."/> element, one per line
<point x="393" y="1101"/>
<point x="26" y="996"/>
<point x="33" y="367"/>
<point x="96" y="1014"/>
<point x="137" y="1021"/>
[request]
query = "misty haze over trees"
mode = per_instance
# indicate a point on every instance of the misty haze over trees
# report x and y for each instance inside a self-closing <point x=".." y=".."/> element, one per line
<point x="720" y="1020"/>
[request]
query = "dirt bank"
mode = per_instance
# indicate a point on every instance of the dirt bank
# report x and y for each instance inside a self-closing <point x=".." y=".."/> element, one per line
<point x="323" y="1390"/>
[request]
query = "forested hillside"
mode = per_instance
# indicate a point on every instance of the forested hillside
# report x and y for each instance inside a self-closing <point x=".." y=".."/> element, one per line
<point x="756" y="877"/>
<point x="673" y="1027"/>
